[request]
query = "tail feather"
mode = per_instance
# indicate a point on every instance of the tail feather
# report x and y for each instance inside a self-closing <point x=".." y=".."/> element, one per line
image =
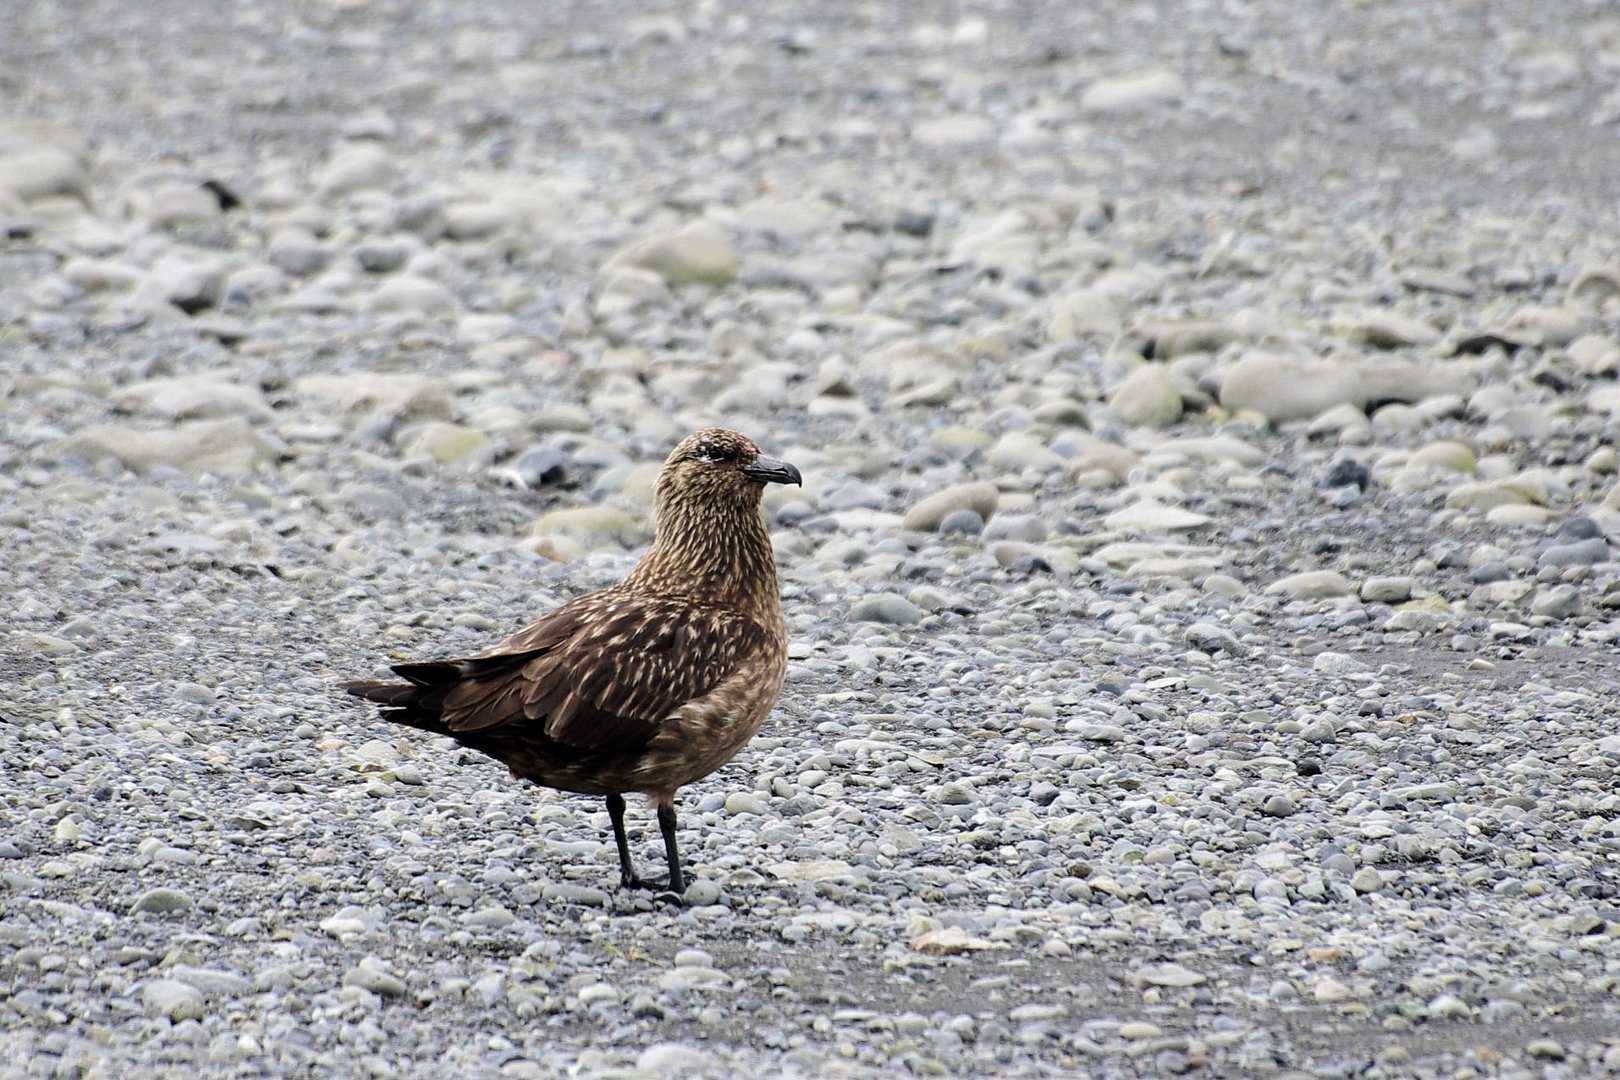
<point x="397" y="695"/>
<point x="403" y="703"/>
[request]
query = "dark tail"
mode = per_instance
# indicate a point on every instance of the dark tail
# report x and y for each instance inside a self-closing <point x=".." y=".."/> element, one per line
<point x="403" y="703"/>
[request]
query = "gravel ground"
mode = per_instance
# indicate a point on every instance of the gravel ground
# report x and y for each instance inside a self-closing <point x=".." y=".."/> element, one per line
<point x="1202" y="595"/>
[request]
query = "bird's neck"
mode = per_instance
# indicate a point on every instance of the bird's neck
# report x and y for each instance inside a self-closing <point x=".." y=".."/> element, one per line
<point x="720" y="556"/>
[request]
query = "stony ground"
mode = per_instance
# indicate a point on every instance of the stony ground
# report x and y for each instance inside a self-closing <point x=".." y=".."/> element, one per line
<point x="1202" y="593"/>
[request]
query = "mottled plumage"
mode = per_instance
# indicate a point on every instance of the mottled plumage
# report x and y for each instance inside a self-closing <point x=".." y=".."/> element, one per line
<point x="644" y="686"/>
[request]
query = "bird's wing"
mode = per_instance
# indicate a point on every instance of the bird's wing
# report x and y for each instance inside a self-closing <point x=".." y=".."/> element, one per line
<point x="602" y="675"/>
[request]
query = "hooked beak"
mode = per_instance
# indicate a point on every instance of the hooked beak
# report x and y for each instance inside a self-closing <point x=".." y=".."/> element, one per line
<point x="764" y="470"/>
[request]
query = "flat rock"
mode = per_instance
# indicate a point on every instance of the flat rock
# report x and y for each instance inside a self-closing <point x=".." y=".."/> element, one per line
<point x="163" y="901"/>
<point x="1168" y="974"/>
<point x="564" y="893"/>
<point x="886" y="608"/>
<point x="927" y="513"/>
<point x="1485" y="494"/>
<point x="193" y="397"/>
<point x="412" y="294"/>
<point x="594" y="526"/>
<point x="673" y="1059"/>
<point x="1387" y="590"/>
<point x="698" y="253"/>
<point x="1149" y="516"/>
<point x="1451" y="455"/>
<point x="1384" y="329"/>
<point x="1130" y="93"/>
<point x="954" y="133"/>
<point x="228" y="447"/>
<point x="1281" y="387"/>
<point x="1216" y="448"/>
<point x="447" y="443"/>
<point x="398" y="394"/>
<point x="375" y="978"/>
<point x="1312" y="585"/>
<point x="953" y="941"/>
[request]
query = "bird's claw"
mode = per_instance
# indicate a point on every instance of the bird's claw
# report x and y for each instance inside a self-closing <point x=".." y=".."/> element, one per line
<point x="662" y="887"/>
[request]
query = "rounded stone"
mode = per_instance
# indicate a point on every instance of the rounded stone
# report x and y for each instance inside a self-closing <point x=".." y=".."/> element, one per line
<point x="1387" y="590"/>
<point x="961" y="523"/>
<point x="1279" y="806"/>
<point x="163" y="901"/>
<point x="1147" y="397"/>
<point x="928" y="513"/>
<point x="885" y="608"/>
<point x="174" y="999"/>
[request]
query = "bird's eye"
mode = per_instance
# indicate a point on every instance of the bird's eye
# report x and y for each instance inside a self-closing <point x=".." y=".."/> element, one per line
<point x="713" y="455"/>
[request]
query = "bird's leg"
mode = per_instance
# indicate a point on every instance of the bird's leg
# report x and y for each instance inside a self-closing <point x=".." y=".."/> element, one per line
<point x="666" y="824"/>
<point x="627" y="868"/>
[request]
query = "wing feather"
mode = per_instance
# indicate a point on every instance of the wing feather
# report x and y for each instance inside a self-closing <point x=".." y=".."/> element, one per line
<point x="598" y="676"/>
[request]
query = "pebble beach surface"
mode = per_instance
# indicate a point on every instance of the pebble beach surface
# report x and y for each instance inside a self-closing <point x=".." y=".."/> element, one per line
<point x="1203" y="596"/>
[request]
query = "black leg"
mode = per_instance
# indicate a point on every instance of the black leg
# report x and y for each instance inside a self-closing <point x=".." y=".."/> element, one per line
<point x="666" y="824"/>
<point x="627" y="868"/>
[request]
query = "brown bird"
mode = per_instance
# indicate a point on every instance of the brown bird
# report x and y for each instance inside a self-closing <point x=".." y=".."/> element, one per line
<point x="646" y="685"/>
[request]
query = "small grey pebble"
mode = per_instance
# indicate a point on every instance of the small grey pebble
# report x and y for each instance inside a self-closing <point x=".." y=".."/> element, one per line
<point x="961" y="523"/>
<point x="1579" y="527"/>
<point x="1577" y="553"/>
<point x="1044" y="794"/>
<point x="1347" y="471"/>
<point x="1279" y="806"/>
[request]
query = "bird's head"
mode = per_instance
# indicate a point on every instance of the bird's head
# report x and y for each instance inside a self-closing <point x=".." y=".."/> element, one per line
<point x="716" y="464"/>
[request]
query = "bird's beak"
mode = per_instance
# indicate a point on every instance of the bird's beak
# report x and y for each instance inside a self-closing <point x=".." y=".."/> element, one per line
<point x="764" y="470"/>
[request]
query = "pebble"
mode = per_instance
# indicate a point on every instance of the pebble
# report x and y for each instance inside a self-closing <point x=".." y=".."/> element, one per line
<point x="1312" y="585"/>
<point x="1131" y="93"/>
<point x="742" y="802"/>
<point x="1282" y="387"/>
<point x="228" y="447"/>
<point x="1577" y="553"/>
<point x="699" y="253"/>
<point x="375" y="360"/>
<point x="702" y="892"/>
<point x="961" y="523"/>
<point x="1387" y="590"/>
<point x="585" y="895"/>
<point x="1148" y="516"/>
<point x="886" y="608"/>
<point x="174" y="999"/>
<point x="929" y="513"/>
<point x="163" y="901"/>
<point x="673" y="1059"/>
<point x="1366" y="880"/>
<point x="1147" y="397"/>
<point x="1279" y="806"/>
<point x="357" y="167"/>
<point x="1546" y="1049"/>
<point x="1558" y="602"/>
